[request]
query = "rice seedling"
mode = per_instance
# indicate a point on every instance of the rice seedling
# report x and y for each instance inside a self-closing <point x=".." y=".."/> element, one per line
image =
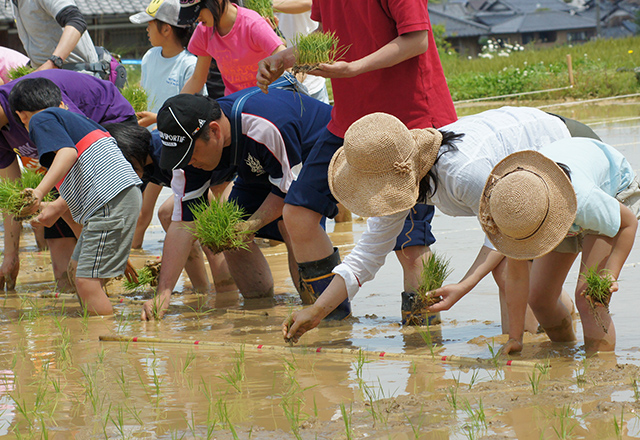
<point x="619" y="425"/>
<point x="534" y="380"/>
<point x="147" y="277"/>
<point x="262" y="7"/>
<point x="316" y="48"/>
<point x="416" y="428"/>
<point x="136" y="95"/>
<point x="14" y="198"/>
<point x="223" y="415"/>
<point x="566" y="424"/>
<point x="452" y="397"/>
<point x="348" y="428"/>
<point x="218" y="226"/>
<point x="236" y="375"/>
<point x="598" y="293"/>
<point x="19" y="72"/>
<point x="426" y="337"/>
<point x="435" y="270"/>
<point x="636" y="391"/>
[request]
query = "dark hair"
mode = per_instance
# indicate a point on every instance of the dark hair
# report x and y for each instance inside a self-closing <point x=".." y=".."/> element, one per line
<point x="215" y="113"/>
<point x="183" y="34"/>
<point x="34" y="94"/>
<point x="424" y="186"/>
<point x="134" y="141"/>
<point x="217" y="8"/>
<point x="565" y="168"/>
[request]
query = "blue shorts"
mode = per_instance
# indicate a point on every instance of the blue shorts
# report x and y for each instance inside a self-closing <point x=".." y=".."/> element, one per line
<point x="311" y="190"/>
<point x="250" y="197"/>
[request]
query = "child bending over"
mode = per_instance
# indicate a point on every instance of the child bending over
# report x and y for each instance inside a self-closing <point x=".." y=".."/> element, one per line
<point x="95" y="182"/>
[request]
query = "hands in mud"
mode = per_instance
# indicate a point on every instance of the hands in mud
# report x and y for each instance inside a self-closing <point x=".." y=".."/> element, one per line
<point x="300" y="322"/>
<point x="155" y="308"/>
<point x="512" y="346"/>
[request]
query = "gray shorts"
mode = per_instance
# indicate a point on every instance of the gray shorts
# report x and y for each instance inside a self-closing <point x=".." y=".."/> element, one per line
<point x="105" y="242"/>
<point x="630" y="197"/>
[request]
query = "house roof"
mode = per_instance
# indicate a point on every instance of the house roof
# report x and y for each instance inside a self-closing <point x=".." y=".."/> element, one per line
<point x="89" y="8"/>
<point x="542" y="22"/>
<point x="458" y="27"/>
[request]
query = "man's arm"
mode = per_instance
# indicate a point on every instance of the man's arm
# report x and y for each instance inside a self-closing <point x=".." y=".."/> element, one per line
<point x="292" y="6"/>
<point x="399" y="49"/>
<point x="177" y="245"/>
<point x="74" y="25"/>
<point x="11" y="262"/>
<point x="269" y="210"/>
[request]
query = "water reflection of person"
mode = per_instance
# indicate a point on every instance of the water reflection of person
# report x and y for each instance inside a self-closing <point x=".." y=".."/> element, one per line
<point x="384" y="168"/>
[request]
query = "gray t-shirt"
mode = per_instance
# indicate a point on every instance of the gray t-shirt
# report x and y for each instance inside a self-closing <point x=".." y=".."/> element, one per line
<point x="40" y="32"/>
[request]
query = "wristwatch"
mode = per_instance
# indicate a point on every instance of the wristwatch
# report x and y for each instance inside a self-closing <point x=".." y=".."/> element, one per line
<point x="57" y="61"/>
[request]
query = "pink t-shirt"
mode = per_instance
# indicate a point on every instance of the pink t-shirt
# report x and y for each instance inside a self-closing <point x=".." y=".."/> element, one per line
<point x="10" y="59"/>
<point x="250" y="40"/>
<point x="415" y="90"/>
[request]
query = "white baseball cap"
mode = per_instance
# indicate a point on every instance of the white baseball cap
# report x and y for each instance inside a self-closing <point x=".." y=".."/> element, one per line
<point x="166" y="11"/>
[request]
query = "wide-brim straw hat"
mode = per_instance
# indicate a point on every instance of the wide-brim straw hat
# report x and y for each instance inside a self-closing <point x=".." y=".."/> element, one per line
<point x="377" y="170"/>
<point x="527" y="206"/>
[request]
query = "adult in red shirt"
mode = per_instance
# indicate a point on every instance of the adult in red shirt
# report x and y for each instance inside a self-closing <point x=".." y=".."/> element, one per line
<point x="392" y="66"/>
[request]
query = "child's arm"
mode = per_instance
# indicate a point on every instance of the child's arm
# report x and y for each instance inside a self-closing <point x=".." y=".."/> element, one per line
<point x="52" y="212"/>
<point x="517" y="296"/>
<point x="199" y="77"/>
<point x="292" y="6"/>
<point x="622" y="242"/>
<point x="62" y="163"/>
<point x="399" y="49"/>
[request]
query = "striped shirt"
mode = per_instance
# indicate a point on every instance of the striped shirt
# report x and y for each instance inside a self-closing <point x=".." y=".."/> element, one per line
<point x="101" y="171"/>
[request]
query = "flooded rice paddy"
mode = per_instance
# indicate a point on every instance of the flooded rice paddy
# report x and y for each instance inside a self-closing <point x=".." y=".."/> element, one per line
<point x="234" y="377"/>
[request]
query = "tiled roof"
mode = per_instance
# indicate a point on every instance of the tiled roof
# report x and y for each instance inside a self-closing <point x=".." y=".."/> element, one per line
<point x="458" y="27"/>
<point x="90" y="8"/>
<point x="543" y="21"/>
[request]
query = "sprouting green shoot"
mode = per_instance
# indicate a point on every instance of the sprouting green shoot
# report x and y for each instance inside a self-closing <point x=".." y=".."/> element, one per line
<point x="216" y="225"/>
<point x="12" y="198"/>
<point x="137" y="97"/>
<point x="147" y="276"/>
<point x="316" y="48"/>
<point x="598" y="286"/>
<point x="262" y="7"/>
<point x="435" y="270"/>
<point x="19" y="72"/>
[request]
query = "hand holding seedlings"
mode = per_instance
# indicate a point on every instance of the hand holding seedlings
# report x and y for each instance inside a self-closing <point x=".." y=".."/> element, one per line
<point x="31" y="204"/>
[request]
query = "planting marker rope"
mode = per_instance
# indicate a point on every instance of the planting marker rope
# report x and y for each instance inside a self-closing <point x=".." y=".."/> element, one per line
<point x="331" y="350"/>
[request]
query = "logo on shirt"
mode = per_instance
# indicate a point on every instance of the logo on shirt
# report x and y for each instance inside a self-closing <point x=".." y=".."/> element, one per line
<point x="255" y="165"/>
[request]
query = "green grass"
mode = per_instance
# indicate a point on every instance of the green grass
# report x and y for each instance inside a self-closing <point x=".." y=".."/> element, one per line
<point x="13" y="199"/>
<point x="262" y="7"/>
<point x="19" y="72"/>
<point x="316" y="48"/>
<point x="435" y="270"/>
<point x="603" y="67"/>
<point x="136" y="95"/>
<point x="598" y="286"/>
<point x="216" y="226"/>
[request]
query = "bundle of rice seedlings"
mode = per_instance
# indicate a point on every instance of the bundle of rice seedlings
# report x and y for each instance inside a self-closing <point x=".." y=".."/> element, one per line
<point x="262" y="7"/>
<point x="137" y="97"/>
<point x="314" y="49"/>
<point x="598" y="293"/>
<point x="434" y="271"/>
<point x="147" y="277"/>
<point x="216" y="226"/>
<point x="13" y="198"/>
<point x="19" y="72"/>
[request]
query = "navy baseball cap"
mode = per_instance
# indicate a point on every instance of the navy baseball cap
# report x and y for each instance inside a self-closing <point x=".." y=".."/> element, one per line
<point x="179" y="122"/>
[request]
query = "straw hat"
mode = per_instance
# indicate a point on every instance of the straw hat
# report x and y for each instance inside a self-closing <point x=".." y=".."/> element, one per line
<point x="527" y="206"/>
<point x="378" y="169"/>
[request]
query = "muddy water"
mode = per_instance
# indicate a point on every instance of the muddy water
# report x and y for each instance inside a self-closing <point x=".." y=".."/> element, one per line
<point x="57" y="380"/>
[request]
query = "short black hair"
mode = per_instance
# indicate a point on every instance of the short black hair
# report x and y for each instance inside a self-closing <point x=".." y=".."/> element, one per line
<point x="215" y="114"/>
<point x="183" y="34"/>
<point x="34" y="94"/>
<point x="133" y="140"/>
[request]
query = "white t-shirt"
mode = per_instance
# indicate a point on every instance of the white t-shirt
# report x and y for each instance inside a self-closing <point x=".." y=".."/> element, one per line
<point x="488" y="138"/>
<point x="163" y="77"/>
<point x="292" y="24"/>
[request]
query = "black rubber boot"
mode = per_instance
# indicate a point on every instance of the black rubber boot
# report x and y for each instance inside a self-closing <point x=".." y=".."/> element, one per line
<point x="315" y="276"/>
<point x="416" y="317"/>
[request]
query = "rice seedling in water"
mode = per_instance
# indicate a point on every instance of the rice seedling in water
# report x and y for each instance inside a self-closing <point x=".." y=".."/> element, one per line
<point x="13" y="198"/>
<point x="347" y="421"/>
<point x="316" y="48"/>
<point x="262" y="7"/>
<point x="435" y="270"/>
<point x="216" y="225"/>
<point x="137" y="97"/>
<point x="598" y="293"/>
<point x="618" y="427"/>
<point x="19" y="72"/>
<point x="147" y="277"/>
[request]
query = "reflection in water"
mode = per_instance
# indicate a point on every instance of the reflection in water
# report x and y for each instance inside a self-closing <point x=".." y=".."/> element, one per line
<point x="55" y="375"/>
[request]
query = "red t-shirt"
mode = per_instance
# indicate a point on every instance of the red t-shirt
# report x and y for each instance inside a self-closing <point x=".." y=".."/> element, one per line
<point x="415" y="90"/>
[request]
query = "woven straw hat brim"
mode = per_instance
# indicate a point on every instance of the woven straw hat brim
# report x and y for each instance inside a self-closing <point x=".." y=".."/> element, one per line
<point x="562" y="207"/>
<point x="371" y="194"/>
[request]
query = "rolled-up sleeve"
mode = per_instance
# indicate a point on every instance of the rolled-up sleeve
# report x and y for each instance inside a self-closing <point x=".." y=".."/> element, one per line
<point x="369" y="254"/>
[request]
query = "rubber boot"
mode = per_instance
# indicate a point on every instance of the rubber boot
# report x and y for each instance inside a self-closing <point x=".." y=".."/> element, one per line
<point x="416" y="317"/>
<point x="315" y="276"/>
